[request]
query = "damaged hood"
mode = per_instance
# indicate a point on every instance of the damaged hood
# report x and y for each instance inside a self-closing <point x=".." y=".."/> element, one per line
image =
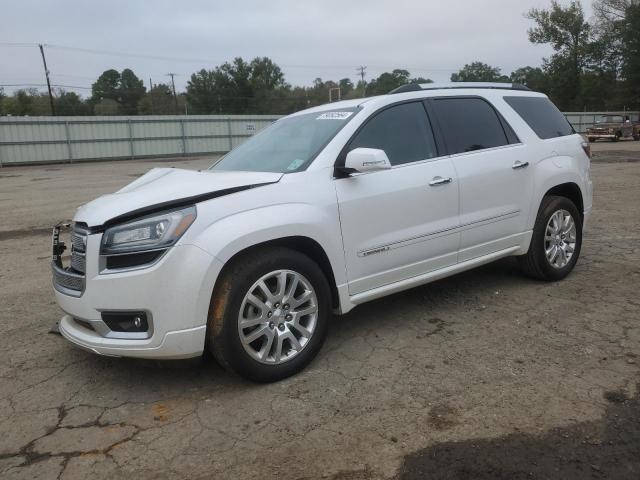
<point x="165" y="188"/>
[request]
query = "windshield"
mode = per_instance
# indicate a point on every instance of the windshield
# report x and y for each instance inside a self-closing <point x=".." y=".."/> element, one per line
<point x="611" y="119"/>
<point x="289" y="145"/>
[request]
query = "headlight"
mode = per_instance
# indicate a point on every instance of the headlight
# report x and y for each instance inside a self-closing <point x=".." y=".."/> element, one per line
<point x="612" y="130"/>
<point x="151" y="233"/>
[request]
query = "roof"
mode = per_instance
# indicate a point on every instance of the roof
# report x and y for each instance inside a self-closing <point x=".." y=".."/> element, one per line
<point x="414" y="87"/>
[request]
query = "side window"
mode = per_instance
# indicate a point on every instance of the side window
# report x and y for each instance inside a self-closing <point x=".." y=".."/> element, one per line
<point x="469" y="124"/>
<point x="542" y="116"/>
<point x="402" y="131"/>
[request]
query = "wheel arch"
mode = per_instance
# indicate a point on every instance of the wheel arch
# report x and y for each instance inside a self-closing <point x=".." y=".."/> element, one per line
<point x="570" y="190"/>
<point x="303" y="244"/>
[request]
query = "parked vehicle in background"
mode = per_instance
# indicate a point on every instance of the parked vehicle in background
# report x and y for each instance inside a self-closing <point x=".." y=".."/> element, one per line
<point x="324" y="210"/>
<point x="614" y="128"/>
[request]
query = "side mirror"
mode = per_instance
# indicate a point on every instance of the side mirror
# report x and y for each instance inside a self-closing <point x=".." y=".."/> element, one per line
<point x="366" y="160"/>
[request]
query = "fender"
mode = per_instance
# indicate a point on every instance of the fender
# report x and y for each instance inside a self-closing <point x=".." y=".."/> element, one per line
<point x="554" y="171"/>
<point x="230" y="235"/>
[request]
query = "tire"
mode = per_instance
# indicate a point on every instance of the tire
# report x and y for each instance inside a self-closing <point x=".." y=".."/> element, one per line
<point x="617" y="137"/>
<point x="591" y="139"/>
<point x="535" y="263"/>
<point x="265" y="359"/>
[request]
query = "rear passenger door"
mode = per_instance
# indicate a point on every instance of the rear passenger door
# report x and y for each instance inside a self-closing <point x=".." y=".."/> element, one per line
<point x="401" y="222"/>
<point x="494" y="177"/>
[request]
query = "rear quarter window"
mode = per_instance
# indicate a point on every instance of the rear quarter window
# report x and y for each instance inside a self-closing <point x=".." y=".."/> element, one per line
<point x="542" y="116"/>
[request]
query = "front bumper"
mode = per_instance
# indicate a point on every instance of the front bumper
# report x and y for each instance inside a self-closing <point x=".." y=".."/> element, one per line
<point x="176" y="292"/>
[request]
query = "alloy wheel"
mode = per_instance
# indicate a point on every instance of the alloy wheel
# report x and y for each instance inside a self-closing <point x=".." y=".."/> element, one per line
<point x="560" y="239"/>
<point x="278" y="316"/>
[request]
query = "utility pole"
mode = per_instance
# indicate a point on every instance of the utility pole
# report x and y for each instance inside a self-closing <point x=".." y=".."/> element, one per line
<point x="173" y="88"/>
<point x="361" y="70"/>
<point x="46" y="73"/>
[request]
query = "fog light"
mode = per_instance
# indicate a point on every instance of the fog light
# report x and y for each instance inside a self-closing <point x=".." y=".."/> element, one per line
<point x="126" y="321"/>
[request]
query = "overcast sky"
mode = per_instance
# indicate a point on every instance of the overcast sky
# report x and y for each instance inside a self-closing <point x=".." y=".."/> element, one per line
<point x="307" y="38"/>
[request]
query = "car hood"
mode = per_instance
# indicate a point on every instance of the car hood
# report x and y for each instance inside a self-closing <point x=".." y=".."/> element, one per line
<point x="165" y="188"/>
<point x="606" y="125"/>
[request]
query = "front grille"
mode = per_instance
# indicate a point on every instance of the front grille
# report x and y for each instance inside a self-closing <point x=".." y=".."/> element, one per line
<point x="78" y="241"/>
<point x="70" y="279"/>
<point x="67" y="279"/>
<point x="78" y="261"/>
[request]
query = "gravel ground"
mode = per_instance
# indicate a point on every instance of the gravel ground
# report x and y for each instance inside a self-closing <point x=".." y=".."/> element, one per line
<point x="483" y="375"/>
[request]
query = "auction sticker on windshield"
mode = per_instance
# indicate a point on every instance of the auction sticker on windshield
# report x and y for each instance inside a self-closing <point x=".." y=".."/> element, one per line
<point x="335" y="116"/>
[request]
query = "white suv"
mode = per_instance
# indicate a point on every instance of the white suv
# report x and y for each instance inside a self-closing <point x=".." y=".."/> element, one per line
<point x="325" y="209"/>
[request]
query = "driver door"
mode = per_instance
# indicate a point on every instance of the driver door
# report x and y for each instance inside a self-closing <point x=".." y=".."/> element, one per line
<point x="401" y="222"/>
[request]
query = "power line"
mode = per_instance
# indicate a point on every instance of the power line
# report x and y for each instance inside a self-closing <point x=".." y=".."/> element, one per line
<point x="42" y="85"/>
<point x="209" y="61"/>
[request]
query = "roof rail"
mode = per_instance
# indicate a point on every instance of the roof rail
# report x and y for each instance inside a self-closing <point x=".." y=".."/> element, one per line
<point x="414" y="87"/>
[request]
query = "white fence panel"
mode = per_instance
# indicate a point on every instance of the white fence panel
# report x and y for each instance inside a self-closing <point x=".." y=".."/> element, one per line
<point x="25" y="140"/>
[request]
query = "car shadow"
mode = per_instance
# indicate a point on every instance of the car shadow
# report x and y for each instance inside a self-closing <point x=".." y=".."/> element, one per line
<point x="608" y="448"/>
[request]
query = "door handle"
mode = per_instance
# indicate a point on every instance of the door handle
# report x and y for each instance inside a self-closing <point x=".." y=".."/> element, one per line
<point x="440" y="181"/>
<point x="519" y="164"/>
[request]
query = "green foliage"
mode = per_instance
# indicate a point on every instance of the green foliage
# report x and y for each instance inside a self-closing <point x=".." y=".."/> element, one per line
<point x="107" y="86"/>
<point x="479" y="72"/>
<point x="238" y="87"/>
<point x="630" y="34"/>
<point x="532" y="77"/>
<point x="125" y="88"/>
<point x="70" y="103"/>
<point x="159" y="101"/>
<point x="388" y="81"/>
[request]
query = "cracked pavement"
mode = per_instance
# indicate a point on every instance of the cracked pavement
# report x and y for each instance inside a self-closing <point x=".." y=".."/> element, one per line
<point x="486" y="360"/>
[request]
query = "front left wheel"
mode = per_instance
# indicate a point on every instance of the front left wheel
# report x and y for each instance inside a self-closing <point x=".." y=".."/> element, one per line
<point x="269" y="314"/>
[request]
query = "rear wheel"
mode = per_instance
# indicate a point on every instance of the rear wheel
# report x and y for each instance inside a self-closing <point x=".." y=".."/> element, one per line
<point x="269" y="314"/>
<point x="556" y="240"/>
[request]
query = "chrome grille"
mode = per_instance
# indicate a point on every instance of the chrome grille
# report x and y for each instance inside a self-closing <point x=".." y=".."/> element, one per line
<point x="78" y="261"/>
<point x="78" y="250"/>
<point x="67" y="280"/>
<point x="78" y="241"/>
<point x="70" y="279"/>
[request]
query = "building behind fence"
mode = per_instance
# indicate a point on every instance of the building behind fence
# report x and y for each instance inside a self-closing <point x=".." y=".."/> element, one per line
<point x="25" y="140"/>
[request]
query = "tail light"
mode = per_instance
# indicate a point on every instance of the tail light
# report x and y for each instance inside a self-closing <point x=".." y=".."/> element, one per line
<point x="587" y="148"/>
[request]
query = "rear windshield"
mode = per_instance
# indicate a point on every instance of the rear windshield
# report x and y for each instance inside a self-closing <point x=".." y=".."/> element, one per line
<point x="542" y="116"/>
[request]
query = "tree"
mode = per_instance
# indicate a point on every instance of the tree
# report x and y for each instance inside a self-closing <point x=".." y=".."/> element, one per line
<point x="630" y="35"/>
<point x="106" y="86"/>
<point x="130" y="91"/>
<point x="532" y="77"/>
<point x="479" y="72"/>
<point x="2" y="97"/>
<point x="158" y="101"/>
<point x="107" y="106"/>
<point x="125" y="88"/>
<point x="70" y="103"/>
<point x="567" y="31"/>
<point x="202" y="93"/>
<point x="388" y="81"/>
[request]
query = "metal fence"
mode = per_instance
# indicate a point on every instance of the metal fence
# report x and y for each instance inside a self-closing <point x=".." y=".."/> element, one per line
<point x="27" y="140"/>
<point x="583" y="120"/>
<point x="30" y="140"/>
